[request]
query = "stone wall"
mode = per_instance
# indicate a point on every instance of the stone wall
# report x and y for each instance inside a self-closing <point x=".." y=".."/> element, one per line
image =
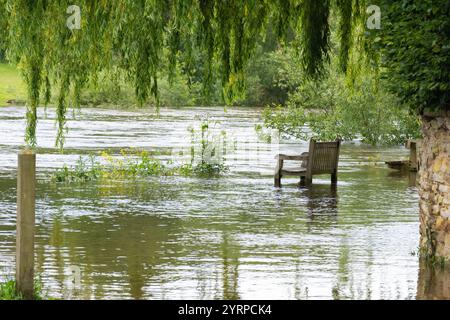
<point x="434" y="184"/>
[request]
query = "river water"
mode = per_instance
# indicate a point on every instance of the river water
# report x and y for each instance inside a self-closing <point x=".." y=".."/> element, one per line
<point x="234" y="237"/>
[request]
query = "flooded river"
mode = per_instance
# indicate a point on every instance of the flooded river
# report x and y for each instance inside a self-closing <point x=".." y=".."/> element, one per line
<point x="234" y="237"/>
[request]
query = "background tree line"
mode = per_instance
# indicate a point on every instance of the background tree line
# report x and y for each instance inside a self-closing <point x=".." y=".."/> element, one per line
<point x="348" y="83"/>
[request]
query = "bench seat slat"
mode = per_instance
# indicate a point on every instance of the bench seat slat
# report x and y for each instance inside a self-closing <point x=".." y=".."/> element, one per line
<point x="300" y="172"/>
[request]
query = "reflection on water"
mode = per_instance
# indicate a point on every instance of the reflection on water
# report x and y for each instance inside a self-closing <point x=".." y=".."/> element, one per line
<point x="235" y="237"/>
<point x="322" y="200"/>
<point x="410" y="176"/>
<point x="434" y="283"/>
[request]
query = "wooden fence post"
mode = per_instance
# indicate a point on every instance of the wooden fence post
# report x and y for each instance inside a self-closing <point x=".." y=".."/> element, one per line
<point x="26" y="197"/>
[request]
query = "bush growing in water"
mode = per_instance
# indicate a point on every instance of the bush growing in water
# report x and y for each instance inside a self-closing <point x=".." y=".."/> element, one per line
<point x="207" y="156"/>
<point x="332" y="109"/>
<point x="335" y="112"/>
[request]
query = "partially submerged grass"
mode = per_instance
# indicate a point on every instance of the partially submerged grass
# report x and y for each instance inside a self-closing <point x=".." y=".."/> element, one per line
<point x="131" y="164"/>
<point x="8" y="290"/>
<point x="206" y="160"/>
<point x="12" y="86"/>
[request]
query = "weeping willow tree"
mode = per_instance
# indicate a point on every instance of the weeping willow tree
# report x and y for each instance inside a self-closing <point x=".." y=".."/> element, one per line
<point x="411" y="52"/>
<point x="135" y="34"/>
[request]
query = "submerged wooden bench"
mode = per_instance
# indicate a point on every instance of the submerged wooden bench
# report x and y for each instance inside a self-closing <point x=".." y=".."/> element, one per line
<point x="322" y="158"/>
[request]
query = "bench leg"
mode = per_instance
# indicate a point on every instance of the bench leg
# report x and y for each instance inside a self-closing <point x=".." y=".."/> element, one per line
<point x="334" y="178"/>
<point x="277" y="181"/>
<point x="302" y="181"/>
<point x="277" y="178"/>
<point x="308" y="179"/>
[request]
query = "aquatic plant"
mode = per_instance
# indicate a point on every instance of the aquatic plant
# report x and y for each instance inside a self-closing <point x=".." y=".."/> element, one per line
<point x="131" y="163"/>
<point x="90" y="168"/>
<point x="86" y="169"/>
<point x="209" y="169"/>
<point x="207" y="149"/>
<point x="206" y="160"/>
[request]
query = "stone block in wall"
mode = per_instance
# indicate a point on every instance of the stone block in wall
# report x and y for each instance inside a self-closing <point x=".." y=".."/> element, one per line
<point x="445" y="213"/>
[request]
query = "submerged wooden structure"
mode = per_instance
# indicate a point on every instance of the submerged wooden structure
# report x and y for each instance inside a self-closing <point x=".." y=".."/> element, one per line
<point x="412" y="164"/>
<point x="322" y="158"/>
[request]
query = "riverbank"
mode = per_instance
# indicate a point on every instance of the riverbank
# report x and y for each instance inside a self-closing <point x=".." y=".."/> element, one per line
<point x="12" y="87"/>
<point x="115" y="92"/>
<point x="105" y="94"/>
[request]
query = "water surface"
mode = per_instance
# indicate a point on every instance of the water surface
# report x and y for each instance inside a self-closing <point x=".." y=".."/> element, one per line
<point x="235" y="237"/>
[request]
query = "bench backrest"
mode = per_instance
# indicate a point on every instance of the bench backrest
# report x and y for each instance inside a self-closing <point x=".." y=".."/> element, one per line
<point x="323" y="157"/>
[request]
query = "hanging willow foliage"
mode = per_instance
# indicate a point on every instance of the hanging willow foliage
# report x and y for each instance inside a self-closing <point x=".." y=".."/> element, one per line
<point x="345" y="29"/>
<point x="135" y="35"/>
<point x="315" y="34"/>
<point x="3" y="27"/>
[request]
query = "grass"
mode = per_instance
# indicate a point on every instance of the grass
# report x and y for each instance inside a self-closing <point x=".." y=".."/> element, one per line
<point x="131" y="164"/>
<point x="205" y="161"/>
<point x="12" y="86"/>
<point x="8" y="291"/>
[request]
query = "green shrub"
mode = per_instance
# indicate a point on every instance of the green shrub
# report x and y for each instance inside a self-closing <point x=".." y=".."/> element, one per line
<point x="207" y="158"/>
<point x="330" y="109"/>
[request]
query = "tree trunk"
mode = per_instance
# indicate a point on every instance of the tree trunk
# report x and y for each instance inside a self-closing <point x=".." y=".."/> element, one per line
<point x="434" y="185"/>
